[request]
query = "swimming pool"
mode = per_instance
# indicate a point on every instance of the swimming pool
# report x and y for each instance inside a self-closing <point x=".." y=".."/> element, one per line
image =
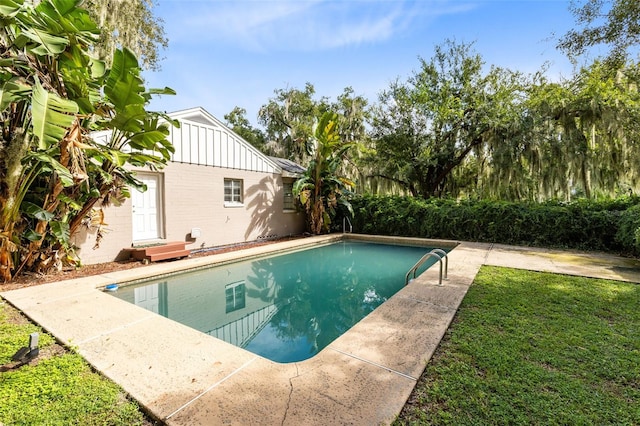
<point x="285" y="307"/>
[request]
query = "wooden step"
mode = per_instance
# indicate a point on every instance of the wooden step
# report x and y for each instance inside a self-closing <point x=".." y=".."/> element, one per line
<point x="170" y="250"/>
<point x="170" y="246"/>
<point x="175" y="254"/>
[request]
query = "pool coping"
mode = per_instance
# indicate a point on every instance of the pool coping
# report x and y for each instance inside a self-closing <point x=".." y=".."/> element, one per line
<point x="182" y="376"/>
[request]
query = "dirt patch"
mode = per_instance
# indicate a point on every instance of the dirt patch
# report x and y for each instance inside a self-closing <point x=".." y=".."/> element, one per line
<point x="28" y="280"/>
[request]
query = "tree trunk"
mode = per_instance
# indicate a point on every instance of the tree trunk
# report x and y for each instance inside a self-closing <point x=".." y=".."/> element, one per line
<point x="11" y="171"/>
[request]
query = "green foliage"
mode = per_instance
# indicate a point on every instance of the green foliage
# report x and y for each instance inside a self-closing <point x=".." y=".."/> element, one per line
<point x="582" y="224"/>
<point x="455" y="129"/>
<point x="130" y="24"/>
<point x="628" y="234"/>
<point x="53" y="93"/>
<point x="610" y="23"/>
<point x="239" y="123"/>
<point x="448" y="111"/>
<point x="321" y="190"/>
<point x="535" y="348"/>
<point x="59" y="390"/>
<point x="289" y="121"/>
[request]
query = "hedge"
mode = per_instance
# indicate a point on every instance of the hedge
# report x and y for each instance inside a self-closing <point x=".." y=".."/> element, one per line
<point x="586" y="225"/>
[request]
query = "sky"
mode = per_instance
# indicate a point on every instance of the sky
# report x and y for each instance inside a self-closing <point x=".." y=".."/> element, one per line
<point x="224" y="54"/>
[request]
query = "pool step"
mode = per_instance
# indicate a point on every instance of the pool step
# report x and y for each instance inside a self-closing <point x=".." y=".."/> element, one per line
<point x="170" y="250"/>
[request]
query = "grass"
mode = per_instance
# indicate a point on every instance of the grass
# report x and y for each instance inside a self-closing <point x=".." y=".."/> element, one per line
<point x="535" y="348"/>
<point x="59" y="388"/>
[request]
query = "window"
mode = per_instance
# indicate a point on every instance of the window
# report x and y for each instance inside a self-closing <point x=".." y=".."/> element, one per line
<point x="288" y="196"/>
<point x="234" y="295"/>
<point x="232" y="192"/>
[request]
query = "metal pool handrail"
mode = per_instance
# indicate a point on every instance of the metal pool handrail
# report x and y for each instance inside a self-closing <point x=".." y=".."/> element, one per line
<point x="446" y="260"/>
<point x="344" y="225"/>
<point x="438" y="254"/>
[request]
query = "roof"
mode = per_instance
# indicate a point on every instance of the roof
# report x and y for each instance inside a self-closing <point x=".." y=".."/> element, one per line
<point x="289" y="168"/>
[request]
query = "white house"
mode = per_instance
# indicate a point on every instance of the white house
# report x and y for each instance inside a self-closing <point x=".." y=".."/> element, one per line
<point x="216" y="190"/>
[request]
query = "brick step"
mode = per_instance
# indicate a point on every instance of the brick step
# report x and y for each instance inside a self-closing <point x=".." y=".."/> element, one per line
<point x="175" y="254"/>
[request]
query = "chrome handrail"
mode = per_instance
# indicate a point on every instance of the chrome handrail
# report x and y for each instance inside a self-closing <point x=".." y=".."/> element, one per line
<point x="438" y="254"/>
<point x="446" y="260"/>
<point x="344" y="225"/>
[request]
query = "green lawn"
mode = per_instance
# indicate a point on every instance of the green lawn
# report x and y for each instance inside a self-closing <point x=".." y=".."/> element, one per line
<point x="535" y="348"/>
<point x="61" y="389"/>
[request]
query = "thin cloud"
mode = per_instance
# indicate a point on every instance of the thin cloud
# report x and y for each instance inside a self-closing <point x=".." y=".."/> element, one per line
<point x="285" y="25"/>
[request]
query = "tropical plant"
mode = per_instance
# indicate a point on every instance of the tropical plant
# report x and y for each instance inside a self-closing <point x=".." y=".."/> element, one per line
<point x="52" y="94"/>
<point x="321" y="190"/>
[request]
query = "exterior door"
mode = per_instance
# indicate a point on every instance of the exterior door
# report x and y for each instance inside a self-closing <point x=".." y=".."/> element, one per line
<point x="146" y="209"/>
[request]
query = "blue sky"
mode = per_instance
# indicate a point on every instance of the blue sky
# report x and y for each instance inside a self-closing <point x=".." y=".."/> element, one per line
<point x="224" y="53"/>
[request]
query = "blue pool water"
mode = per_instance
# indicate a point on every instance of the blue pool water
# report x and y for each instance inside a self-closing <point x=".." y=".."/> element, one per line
<point x="286" y="307"/>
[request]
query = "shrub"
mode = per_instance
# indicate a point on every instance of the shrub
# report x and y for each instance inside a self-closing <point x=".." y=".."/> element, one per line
<point x="628" y="232"/>
<point x="588" y="225"/>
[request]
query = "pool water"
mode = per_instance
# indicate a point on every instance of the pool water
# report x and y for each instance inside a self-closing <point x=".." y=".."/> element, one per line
<point x="286" y="307"/>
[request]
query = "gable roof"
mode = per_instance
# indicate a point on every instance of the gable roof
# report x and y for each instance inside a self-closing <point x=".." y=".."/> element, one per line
<point x="203" y="139"/>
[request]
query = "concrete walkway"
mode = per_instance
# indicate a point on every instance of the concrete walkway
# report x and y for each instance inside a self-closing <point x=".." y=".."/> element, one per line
<point x="184" y="377"/>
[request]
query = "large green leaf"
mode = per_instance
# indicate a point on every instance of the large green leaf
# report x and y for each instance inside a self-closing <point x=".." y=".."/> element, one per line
<point x="129" y="118"/>
<point x="61" y="231"/>
<point x="82" y="78"/>
<point x="163" y="91"/>
<point x="44" y="43"/>
<point x="13" y="91"/>
<point x="9" y="7"/>
<point x="152" y="137"/>
<point x="72" y="203"/>
<point x="124" y="87"/>
<point x="117" y="157"/>
<point x="63" y="17"/>
<point x="35" y="211"/>
<point x="65" y="176"/>
<point x="140" y="159"/>
<point x="32" y="235"/>
<point x="52" y="116"/>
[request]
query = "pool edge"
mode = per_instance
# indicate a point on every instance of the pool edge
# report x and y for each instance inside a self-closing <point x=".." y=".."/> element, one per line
<point x="129" y="342"/>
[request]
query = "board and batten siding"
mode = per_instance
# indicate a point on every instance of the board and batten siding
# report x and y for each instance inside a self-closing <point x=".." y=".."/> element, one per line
<point x="205" y="145"/>
<point x="208" y="142"/>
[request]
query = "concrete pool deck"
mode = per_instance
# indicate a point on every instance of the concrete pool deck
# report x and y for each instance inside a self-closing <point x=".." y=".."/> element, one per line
<point x="184" y="377"/>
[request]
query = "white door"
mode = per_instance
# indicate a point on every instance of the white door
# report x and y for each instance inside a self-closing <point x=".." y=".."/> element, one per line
<point x="147" y="297"/>
<point x="146" y="209"/>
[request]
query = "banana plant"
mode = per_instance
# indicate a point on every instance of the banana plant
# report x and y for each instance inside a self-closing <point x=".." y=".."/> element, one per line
<point x="321" y="190"/>
<point x="53" y="94"/>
